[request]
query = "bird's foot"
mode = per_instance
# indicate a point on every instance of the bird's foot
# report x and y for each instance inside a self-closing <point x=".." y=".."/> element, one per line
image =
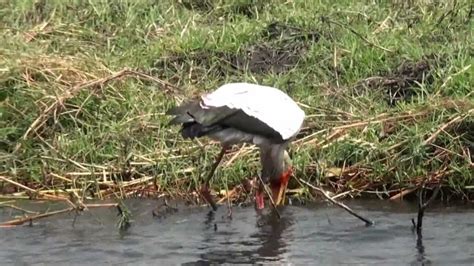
<point x="259" y="196"/>
<point x="206" y="193"/>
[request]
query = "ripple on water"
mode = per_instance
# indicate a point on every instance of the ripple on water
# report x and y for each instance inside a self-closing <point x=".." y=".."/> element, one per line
<point x="314" y="234"/>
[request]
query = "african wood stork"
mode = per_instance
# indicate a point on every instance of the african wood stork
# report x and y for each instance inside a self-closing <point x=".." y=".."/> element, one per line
<point x="247" y="113"/>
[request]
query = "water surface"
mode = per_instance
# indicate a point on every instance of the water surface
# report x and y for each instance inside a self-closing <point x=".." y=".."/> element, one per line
<point x="318" y="234"/>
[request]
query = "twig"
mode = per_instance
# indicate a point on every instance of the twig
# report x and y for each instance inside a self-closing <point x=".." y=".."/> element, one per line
<point x="141" y="180"/>
<point x="342" y="194"/>
<point x="101" y="205"/>
<point x="240" y="152"/>
<point x="444" y="126"/>
<point x="403" y="193"/>
<point x="17" y="208"/>
<point x="39" y="194"/>
<point x="34" y="217"/>
<point x="326" y="195"/>
<point x="6" y="202"/>
<point x="61" y="177"/>
<point x="15" y="197"/>
<point x="17" y="184"/>
<point x="421" y="209"/>
<point x="48" y="214"/>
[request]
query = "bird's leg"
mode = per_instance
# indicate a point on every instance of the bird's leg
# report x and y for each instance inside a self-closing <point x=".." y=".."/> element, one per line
<point x="205" y="187"/>
<point x="259" y="200"/>
<point x="279" y="187"/>
<point x="216" y="163"/>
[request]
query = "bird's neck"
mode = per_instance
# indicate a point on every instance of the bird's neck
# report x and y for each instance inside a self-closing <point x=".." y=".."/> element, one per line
<point x="273" y="161"/>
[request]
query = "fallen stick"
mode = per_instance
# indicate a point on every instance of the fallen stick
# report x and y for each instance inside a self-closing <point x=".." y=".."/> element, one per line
<point x="342" y="194"/>
<point x="17" y="208"/>
<point x="101" y="205"/>
<point x="39" y="194"/>
<point x="349" y="210"/>
<point x="60" y="192"/>
<point x="14" y="197"/>
<point x="6" y="179"/>
<point x="403" y="193"/>
<point x="421" y="209"/>
<point x="31" y="218"/>
<point x="6" y="202"/>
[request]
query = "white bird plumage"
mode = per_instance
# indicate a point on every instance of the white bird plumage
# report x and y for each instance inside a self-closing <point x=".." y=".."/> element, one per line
<point x="269" y="105"/>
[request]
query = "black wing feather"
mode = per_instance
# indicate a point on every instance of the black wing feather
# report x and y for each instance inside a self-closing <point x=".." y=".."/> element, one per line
<point x="197" y="121"/>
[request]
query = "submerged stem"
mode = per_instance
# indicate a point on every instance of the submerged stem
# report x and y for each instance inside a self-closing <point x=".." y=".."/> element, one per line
<point x="349" y="210"/>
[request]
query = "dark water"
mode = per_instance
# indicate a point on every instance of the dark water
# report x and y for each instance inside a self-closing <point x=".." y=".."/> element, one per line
<point x="316" y="234"/>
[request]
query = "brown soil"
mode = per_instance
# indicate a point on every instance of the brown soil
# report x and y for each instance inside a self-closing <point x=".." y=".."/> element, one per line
<point x="401" y="83"/>
<point x="282" y="50"/>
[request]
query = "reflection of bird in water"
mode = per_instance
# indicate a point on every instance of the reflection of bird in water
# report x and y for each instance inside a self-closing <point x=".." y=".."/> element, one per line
<point x="226" y="245"/>
<point x="271" y="235"/>
<point x="247" y="113"/>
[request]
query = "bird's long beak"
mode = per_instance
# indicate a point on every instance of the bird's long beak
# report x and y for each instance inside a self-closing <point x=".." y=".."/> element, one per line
<point x="279" y="190"/>
<point x="280" y="197"/>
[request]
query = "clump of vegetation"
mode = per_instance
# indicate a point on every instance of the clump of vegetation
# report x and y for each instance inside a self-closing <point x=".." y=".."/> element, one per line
<point x="84" y="86"/>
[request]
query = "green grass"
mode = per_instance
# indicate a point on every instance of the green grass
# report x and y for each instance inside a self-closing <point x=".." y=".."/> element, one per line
<point x="405" y="69"/>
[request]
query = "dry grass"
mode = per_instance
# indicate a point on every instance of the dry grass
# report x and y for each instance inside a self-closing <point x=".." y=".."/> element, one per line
<point x="387" y="91"/>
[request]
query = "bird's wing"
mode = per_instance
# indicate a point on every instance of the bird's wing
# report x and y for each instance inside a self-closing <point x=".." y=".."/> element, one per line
<point x="224" y="116"/>
<point x="268" y="105"/>
<point x="249" y="124"/>
<point x="193" y="111"/>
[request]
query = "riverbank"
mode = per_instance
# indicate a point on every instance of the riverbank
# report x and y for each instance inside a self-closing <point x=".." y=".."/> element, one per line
<point x="387" y="90"/>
